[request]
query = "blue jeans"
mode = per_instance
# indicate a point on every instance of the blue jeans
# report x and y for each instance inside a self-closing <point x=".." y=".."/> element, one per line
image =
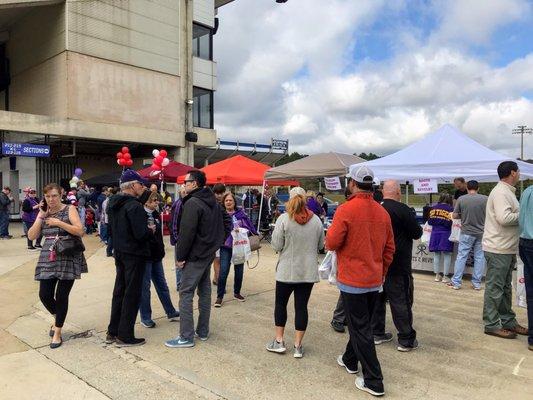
<point x="154" y="272"/>
<point x="447" y="261"/>
<point x="526" y="254"/>
<point x="225" y="264"/>
<point x="466" y="243"/>
<point x="103" y="232"/>
<point x="4" y="223"/>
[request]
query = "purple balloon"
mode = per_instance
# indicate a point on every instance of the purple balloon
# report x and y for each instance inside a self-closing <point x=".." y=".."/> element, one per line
<point x="78" y="172"/>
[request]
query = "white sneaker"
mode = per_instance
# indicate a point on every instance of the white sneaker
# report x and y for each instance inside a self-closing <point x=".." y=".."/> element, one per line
<point x="446" y="279"/>
<point x="360" y="384"/>
<point x="341" y="363"/>
<point x="438" y="278"/>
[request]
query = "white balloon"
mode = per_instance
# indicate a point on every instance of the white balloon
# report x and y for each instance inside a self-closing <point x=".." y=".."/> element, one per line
<point x="75" y="179"/>
<point x="155" y="152"/>
<point x="73" y="185"/>
<point x="165" y="162"/>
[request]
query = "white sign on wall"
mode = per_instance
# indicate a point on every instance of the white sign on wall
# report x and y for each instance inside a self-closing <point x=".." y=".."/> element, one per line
<point x="333" y="183"/>
<point x="423" y="186"/>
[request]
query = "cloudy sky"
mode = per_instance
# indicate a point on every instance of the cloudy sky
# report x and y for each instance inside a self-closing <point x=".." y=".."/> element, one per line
<point x="374" y="75"/>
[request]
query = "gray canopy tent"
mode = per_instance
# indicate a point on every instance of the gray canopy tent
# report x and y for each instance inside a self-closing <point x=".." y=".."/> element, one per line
<point x="320" y="165"/>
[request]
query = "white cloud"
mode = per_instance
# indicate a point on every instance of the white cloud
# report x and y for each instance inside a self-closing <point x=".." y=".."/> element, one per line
<point x="476" y="20"/>
<point x="284" y="72"/>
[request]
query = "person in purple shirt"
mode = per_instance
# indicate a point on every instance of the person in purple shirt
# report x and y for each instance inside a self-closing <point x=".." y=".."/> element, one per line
<point x="314" y="205"/>
<point x="240" y="220"/>
<point x="440" y="218"/>
<point x="30" y="209"/>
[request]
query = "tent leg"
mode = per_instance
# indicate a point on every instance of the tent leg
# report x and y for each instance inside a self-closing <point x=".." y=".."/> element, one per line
<point x="261" y="206"/>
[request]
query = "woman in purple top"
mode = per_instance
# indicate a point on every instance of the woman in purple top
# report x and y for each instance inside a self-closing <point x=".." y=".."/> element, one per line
<point x="240" y="220"/>
<point x="314" y="205"/>
<point x="30" y="209"/>
<point x="440" y="218"/>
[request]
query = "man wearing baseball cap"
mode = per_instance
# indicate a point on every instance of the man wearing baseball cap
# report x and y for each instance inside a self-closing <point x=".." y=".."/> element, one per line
<point x="361" y="234"/>
<point x="128" y="224"/>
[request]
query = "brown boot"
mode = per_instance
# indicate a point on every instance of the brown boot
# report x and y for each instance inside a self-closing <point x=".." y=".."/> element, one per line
<point x="502" y="333"/>
<point x="519" y="329"/>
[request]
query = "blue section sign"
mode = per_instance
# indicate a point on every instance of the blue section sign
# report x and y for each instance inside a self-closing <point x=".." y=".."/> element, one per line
<point x="25" y="150"/>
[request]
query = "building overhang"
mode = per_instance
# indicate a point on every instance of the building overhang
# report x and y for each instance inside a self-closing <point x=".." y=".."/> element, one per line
<point x="12" y="10"/>
<point x="70" y="128"/>
<point x="220" y="3"/>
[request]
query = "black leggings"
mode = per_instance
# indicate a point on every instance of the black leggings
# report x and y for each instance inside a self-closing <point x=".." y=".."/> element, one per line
<point x="302" y="292"/>
<point x="57" y="305"/>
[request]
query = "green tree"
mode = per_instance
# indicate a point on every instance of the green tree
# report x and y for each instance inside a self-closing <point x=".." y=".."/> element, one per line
<point x="368" y="157"/>
<point x="290" y="158"/>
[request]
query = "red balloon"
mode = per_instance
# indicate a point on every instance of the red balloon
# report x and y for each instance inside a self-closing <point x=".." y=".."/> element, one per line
<point x="154" y="163"/>
<point x="163" y="153"/>
<point x="127" y="156"/>
<point x="158" y="160"/>
<point x="122" y="161"/>
<point x="119" y="155"/>
<point x="125" y="150"/>
<point x="118" y="161"/>
<point x="129" y="162"/>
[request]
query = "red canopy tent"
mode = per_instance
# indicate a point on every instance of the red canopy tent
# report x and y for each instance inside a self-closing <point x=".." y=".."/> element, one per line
<point x="239" y="171"/>
<point x="172" y="171"/>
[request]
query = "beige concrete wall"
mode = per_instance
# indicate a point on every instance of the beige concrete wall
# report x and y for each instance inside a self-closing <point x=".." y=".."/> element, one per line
<point x="204" y="73"/>
<point x="140" y="33"/>
<point x="42" y="89"/>
<point x="110" y="92"/>
<point x="36" y="37"/>
<point x="204" y="12"/>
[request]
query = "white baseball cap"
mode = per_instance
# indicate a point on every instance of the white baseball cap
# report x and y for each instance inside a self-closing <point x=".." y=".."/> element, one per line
<point x="361" y="174"/>
<point x="295" y="191"/>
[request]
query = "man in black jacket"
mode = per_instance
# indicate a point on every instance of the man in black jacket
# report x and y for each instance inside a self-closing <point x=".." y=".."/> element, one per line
<point x="398" y="285"/>
<point x="203" y="227"/>
<point x="128" y="223"/>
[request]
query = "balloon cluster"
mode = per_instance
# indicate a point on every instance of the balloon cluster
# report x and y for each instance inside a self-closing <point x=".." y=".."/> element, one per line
<point x="76" y="178"/>
<point x="160" y="160"/>
<point x="124" y="157"/>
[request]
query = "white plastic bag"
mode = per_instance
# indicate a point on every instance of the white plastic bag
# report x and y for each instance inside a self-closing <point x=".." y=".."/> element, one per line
<point x="456" y="231"/>
<point x="520" y="284"/>
<point x="332" y="278"/>
<point x="426" y="233"/>
<point x="324" y="269"/>
<point x="241" y="246"/>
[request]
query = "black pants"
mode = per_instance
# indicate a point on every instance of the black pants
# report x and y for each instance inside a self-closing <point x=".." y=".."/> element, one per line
<point x="338" y="313"/>
<point x="126" y="295"/>
<point x="302" y="292"/>
<point x="54" y="296"/>
<point x="398" y="289"/>
<point x="360" y="348"/>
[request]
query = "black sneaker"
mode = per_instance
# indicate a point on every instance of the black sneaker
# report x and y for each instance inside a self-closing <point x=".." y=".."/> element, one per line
<point x="31" y="248"/>
<point x="239" y="297"/>
<point x="386" y="337"/>
<point x="338" y="326"/>
<point x="130" y="343"/>
<point x="38" y="246"/>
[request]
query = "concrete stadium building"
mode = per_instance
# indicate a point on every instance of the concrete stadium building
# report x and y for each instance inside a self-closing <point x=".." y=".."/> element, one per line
<point x="81" y="79"/>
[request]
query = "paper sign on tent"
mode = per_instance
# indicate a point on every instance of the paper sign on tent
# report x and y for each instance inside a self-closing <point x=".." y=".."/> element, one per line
<point x="333" y="183"/>
<point x="422" y="186"/>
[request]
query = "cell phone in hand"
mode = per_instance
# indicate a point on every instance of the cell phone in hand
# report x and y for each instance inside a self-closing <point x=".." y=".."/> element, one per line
<point x="44" y="207"/>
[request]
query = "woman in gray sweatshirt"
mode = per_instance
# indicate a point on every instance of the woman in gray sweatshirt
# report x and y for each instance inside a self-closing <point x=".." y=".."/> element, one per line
<point x="298" y="236"/>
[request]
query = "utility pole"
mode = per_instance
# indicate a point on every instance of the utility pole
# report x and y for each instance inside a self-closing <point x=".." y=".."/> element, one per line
<point x="521" y="130"/>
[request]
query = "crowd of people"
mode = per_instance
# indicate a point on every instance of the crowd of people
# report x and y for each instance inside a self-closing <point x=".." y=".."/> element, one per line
<point x="371" y="236"/>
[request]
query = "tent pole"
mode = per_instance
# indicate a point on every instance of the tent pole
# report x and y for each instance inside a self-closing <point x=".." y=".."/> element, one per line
<point x="407" y="192"/>
<point x="261" y="205"/>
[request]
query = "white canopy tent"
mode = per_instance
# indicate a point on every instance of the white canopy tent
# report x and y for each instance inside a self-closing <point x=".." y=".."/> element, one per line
<point x="444" y="155"/>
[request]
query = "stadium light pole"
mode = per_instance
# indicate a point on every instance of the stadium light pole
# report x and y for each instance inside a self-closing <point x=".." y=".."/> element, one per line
<point x="521" y="130"/>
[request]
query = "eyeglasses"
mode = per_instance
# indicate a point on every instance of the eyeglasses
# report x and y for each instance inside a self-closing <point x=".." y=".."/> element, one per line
<point x="188" y="181"/>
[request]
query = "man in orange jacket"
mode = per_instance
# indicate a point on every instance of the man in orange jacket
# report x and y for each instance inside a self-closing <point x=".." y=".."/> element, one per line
<point x="362" y="236"/>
